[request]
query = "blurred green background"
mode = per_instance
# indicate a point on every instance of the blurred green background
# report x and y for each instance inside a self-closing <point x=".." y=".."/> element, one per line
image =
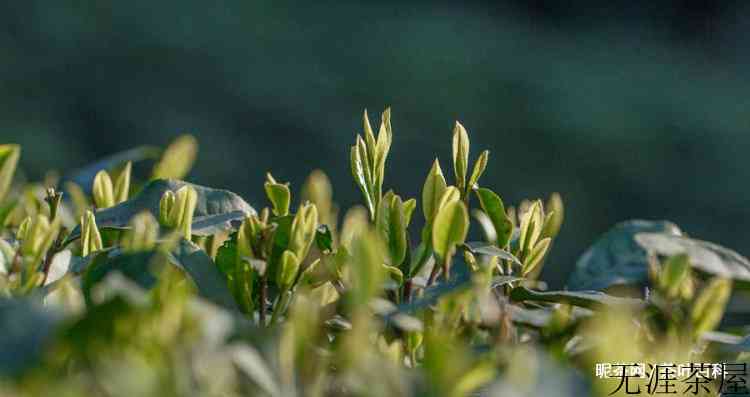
<point x="628" y="108"/>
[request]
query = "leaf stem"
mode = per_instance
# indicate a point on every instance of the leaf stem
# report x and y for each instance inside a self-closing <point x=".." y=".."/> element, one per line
<point x="262" y="299"/>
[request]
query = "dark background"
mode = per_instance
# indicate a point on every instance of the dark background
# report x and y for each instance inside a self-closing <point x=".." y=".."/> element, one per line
<point x="628" y="108"/>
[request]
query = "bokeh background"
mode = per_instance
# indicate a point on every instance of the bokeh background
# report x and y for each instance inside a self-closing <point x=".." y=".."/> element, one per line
<point x="630" y="109"/>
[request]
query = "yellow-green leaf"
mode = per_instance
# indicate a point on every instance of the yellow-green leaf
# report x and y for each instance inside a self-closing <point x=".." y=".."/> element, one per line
<point x="9" y="155"/>
<point x="432" y="191"/>
<point x="709" y="306"/>
<point x="279" y="195"/>
<point x="122" y="185"/>
<point x="177" y="159"/>
<point x="288" y="268"/>
<point x="556" y="215"/>
<point x="460" y="154"/>
<point x="103" y="191"/>
<point x="479" y="168"/>
<point x="535" y="256"/>
<point x="450" y="228"/>
<point x="676" y="271"/>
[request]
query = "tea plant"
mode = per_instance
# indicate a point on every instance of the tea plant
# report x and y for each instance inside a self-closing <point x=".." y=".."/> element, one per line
<point x="115" y="284"/>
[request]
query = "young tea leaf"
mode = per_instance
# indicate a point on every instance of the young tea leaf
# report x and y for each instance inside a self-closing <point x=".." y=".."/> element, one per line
<point x="494" y="208"/>
<point x="9" y="155"/>
<point x="450" y="228"/>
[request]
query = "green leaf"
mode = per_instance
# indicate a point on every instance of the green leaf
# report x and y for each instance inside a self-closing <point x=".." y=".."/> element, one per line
<point x="324" y="238"/>
<point x="226" y="256"/>
<point x="494" y="208"/>
<point x="587" y="299"/>
<point x="181" y="216"/>
<point x="91" y="241"/>
<point x="531" y="228"/>
<point x="450" y="228"/>
<point x="536" y="255"/>
<point x="288" y="269"/>
<point x="209" y="281"/>
<point x="215" y="211"/>
<point x="122" y="185"/>
<point x="142" y="235"/>
<point x="279" y="195"/>
<point x="103" y="191"/>
<point x="391" y="225"/>
<point x="369" y="138"/>
<point x="432" y="191"/>
<point x="676" y="271"/>
<point x="616" y="258"/>
<point x="705" y="256"/>
<point x="382" y="147"/>
<point x="360" y="177"/>
<point x="9" y="155"/>
<point x="177" y="159"/>
<point x="450" y="195"/>
<point x="478" y="247"/>
<point x="709" y="306"/>
<point x="395" y="273"/>
<point x="303" y="230"/>
<point x="555" y="216"/>
<point x="366" y="267"/>
<point x="460" y="155"/>
<point x="479" y="168"/>
<point x="280" y="242"/>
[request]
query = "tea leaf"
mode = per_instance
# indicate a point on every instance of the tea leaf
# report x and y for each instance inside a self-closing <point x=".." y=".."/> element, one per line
<point x="391" y="225"/>
<point x="450" y="229"/>
<point x="709" y="306"/>
<point x="536" y="255"/>
<point x="705" y="256"/>
<point x="9" y="155"/>
<point x="432" y="191"/>
<point x="103" y="190"/>
<point x="587" y="299"/>
<point x="676" y="271"/>
<point x="479" y="168"/>
<point x="616" y="258"/>
<point x="478" y="247"/>
<point x="556" y="214"/>
<point x="288" y="269"/>
<point x="122" y="185"/>
<point x="460" y="155"/>
<point x="494" y="208"/>
<point x="215" y="210"/>
<point x="177" y="159"/>
<point x="279" y="196"/>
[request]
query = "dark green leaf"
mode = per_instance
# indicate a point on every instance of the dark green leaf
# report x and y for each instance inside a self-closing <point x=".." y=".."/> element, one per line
<point x="324" y="239"/>
<point x="216" y="209"/>
<point x="211" y="284"/>
<point x="616" y="258"/>
<point x="587" y="299"/>
<point x="494" y="208"/>
<point x="28" y="328"/>
<point x="703" y="255"/>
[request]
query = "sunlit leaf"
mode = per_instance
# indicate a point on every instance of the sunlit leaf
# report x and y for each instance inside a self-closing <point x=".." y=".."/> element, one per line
<point x="215" y="211"/>
<point x="450" y="228"/>
<point x="177" y="159"/>
<point x="9" y="155"/>
<point x="616" y="258"/>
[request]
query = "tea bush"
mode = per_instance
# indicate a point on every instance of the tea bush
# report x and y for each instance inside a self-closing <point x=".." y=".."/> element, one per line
<point x="115" y="283"/>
